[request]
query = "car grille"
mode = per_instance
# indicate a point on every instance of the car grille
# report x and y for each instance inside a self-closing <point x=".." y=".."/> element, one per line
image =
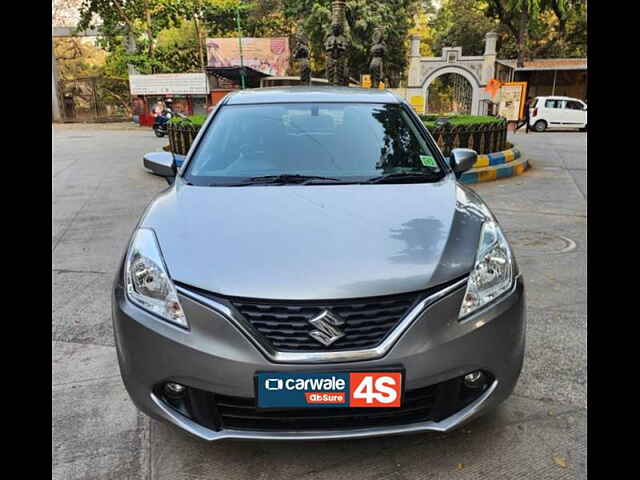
<point x="285" y="325"/>
<point x="220" y="412"/>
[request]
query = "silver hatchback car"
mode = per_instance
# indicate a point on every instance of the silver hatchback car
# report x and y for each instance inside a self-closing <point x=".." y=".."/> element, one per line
<point x="316" y="271"/>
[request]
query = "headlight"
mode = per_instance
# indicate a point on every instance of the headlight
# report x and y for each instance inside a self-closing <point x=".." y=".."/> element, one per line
<point x="147" y="280"/>
<point x="492" y="273"/>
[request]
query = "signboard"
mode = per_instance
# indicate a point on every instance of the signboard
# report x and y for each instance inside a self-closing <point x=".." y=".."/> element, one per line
<point x="417" y="102"/>
<point x="169" y="84"/>
<point x="511" y="100"/>
<point x="365" y="82"/>
<point x="267" y="55"/>
<point x="226" y="83"/>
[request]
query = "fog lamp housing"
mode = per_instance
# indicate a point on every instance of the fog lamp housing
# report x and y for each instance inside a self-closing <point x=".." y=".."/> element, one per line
<point x="174" y="390"/>
<point x="475" y="379"/>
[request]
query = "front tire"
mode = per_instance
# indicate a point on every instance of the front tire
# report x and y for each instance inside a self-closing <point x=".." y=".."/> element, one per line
<point x="158" y="132"/>
<point x="540" y="126"/>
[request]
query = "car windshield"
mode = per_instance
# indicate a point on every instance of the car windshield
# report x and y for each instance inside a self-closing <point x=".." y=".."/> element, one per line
<point x="312" y="143"/>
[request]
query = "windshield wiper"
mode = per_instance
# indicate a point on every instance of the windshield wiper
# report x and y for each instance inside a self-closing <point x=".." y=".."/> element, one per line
<point x="281" y="179"/>
<point x="402" y="177"/>
<point x="289" y="178"/>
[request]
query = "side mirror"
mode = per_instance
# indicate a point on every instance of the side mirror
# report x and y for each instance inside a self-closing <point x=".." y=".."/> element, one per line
<point x="462" y="159"/>
<point x="179" y="159"/>
<point x="160" y="163"/>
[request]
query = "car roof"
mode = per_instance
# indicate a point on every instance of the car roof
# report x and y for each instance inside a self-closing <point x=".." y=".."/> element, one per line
<point x="559" y="97"/>
<point x="316" y="93"/>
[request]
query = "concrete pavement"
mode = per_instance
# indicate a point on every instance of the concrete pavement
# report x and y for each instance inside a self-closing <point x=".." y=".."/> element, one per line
<point x="558" y="149"/>
<point x="100" y="189"/>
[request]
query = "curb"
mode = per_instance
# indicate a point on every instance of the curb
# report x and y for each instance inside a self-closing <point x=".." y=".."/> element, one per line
<point x="498" y="158"/>
<point x="504" y="170"/>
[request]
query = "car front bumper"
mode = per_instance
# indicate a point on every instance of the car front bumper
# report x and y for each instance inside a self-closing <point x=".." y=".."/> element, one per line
<point x="214" y="356"/>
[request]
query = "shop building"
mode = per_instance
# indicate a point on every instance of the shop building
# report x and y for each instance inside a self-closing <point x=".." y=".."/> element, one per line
<point x="223" y="80"/>
<point x="547" y="76"/>
<point x="189" y="93"/>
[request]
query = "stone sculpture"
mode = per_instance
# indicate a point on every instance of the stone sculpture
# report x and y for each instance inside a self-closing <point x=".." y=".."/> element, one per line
<point x="301" y="54"/>
<point x="336" y="45"/>
<point x="378" y="50"/>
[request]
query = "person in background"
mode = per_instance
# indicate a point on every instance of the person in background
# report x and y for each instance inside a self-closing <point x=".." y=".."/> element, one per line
<point x="527" y="113"/>
<point x="162" y="111"/>
<point x="158" y="109"/>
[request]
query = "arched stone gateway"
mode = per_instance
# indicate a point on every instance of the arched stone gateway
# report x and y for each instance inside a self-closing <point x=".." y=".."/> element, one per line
<point x="468" y="75"/>
<point x="477" y="70"/>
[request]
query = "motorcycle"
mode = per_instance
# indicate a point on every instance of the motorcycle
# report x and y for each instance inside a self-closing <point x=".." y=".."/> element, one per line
<point x="160" y="124"/>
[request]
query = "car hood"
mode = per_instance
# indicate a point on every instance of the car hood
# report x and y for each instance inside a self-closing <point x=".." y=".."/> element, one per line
<point x="317" y="242"/>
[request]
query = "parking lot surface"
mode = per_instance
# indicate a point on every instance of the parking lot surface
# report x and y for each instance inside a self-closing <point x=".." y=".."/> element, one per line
<point x="99" y="191"/>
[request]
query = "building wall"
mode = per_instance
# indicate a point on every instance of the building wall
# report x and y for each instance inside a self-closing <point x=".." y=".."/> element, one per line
<point x="503" y="73"/>
<point x="218" y="95"/>
<point x="569" y="83"/>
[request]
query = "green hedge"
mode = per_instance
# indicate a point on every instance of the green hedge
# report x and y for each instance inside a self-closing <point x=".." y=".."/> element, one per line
<point x="482" y="134"/>
<point x="430" y="120"/>
<point x="196" y="120"/>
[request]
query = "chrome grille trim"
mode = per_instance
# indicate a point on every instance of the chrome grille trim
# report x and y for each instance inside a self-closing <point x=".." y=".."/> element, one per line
<point x="320" y="357"/>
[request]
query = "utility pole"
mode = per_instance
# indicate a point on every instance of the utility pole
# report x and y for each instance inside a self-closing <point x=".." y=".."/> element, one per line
<point x="200" y="51"/>
<point x="196" y="24"/>
<point x="130" y="47"/>
<point x="240" y="45"/>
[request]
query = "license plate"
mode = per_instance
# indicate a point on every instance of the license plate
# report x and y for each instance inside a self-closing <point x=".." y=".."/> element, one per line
<point x="332" y="389"/>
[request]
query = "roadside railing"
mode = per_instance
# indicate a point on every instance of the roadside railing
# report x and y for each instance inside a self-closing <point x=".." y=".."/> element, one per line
<point x="481" y="137"/>
<point x="181" y="136"/>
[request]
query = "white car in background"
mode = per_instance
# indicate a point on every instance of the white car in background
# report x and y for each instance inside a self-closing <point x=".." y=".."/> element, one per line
<point x="558" y="112"/>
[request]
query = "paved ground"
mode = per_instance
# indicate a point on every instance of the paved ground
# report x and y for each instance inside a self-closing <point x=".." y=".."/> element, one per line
<point x="99" y="191"/>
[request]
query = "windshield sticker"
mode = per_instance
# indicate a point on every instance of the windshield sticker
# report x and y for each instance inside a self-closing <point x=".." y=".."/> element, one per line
<point x="428" y="161"/>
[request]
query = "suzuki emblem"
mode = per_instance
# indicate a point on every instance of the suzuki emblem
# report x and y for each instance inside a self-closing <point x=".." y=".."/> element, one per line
<point x="327" y="331"/>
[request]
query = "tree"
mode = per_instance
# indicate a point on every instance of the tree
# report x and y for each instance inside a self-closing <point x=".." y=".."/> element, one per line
<point x="78" y="57"/>
<point x="260" y="18"/>
<point x="462" y="23"/>
<point x="541" y="27"/>
<point x="515" y="15"/>
<point x="64" y="13"/>
<point x="144" y="20"/>
<point x="140" y="19"/>
<point x="556" y="33"/>
<point x="396" y="17"/>
<point x="423" y="28"/>
<point x="179" y="49"/>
